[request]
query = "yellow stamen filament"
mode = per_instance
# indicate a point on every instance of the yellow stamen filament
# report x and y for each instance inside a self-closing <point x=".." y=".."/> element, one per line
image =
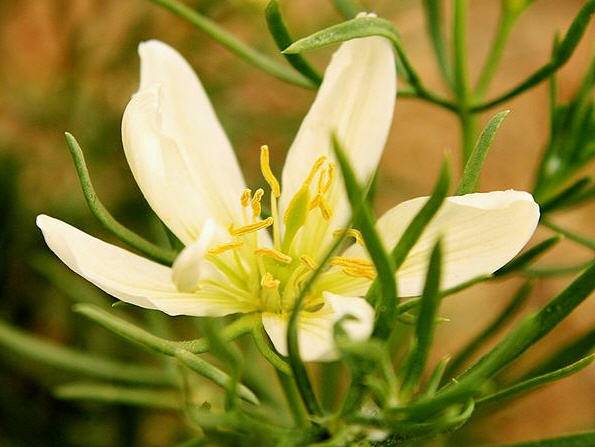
<point x="256" y="206"/>
<point x="355" y="234"/>
<point x="274" y="254"/>
<point x="245" y="198"/>
<point x="240" y="231"/>
<point x="325" y="209"/>
<point x="265" y="167"/>
<point x="360" y="273"/>
<point x="308" y="262"/>
<point x="351" y="262"/>
<point x="218" y="249"/>
<point x="269" y="282"/>
<point x="326" y="179"/>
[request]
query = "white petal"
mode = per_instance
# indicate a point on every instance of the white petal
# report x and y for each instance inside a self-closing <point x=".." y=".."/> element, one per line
<point x="176" y="147"/>
<point x="356" y="100"/>
<point x="481" y="233"/>
<point x="126" y="276"/>
<point x="315" y="329"/>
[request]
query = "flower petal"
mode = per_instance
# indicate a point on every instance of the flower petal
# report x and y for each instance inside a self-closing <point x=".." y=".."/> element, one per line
<point x="176" y="147"/>
<point x="315" y="329"/>
<point x="126" y="276"/>
<point x="356" y="100"/>
<point x="481" y="233"/>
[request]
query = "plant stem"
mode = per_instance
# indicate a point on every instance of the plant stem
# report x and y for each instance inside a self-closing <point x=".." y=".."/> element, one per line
<point x="293" y="399"/>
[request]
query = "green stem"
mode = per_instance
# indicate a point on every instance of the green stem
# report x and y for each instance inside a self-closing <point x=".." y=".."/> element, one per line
<point x="235" y="45"/>
<point x="579" y="239"/>
<point x="293" y="399"/>
<point x="505" y="25"/>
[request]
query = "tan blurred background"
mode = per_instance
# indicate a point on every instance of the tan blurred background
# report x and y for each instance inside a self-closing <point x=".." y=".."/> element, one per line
<point x="71" y="65"/>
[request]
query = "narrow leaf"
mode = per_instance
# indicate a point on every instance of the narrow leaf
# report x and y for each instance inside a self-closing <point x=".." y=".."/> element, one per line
<point x="492" y="329"/>
<point x="153" y="251"/>
<point x="283" y="39"/>
<point x="526" y="386"/>
<point x="472" y="170"/>
<point x="567" y="196"/>
<point x="72" y="361"/>
<point x="575" y="237"/>
<point x="213" y="373"/>
<point x="424" y="330"/>
<point x="387" y="304"/>
<point x="522" y="261"/>
<point x="111" y="394"/>
<point x="233" y="44"/>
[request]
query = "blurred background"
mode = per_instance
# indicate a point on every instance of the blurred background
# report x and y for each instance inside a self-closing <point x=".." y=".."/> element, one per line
<point x="71" y="65"/>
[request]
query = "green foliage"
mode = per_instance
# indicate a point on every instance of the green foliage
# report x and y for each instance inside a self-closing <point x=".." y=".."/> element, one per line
<point x="404" y="396"/>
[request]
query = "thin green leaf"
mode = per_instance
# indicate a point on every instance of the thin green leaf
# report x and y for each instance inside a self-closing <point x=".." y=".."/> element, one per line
<point x="522" y="261"/>
<point x="472" y="170"/>
<point x="423" y="217"/>
<point x="214" y="374"/>
<point x="511" y="310"/>
<point x="519" y="389"/>
<point x="569" y="353"/>
<point x="76" y="362"/>
<point x="424" y="330"/>
<point x="527" y="333"/>
<point x="549" y="271"/>
<point x="229" y="355"/>
<point x="364" y="27"/>
<point x="578" y="440"/>
<point x="459" y="39"/>
<point x="568" y="196"/>
<point x="233" y="44"/>
<point x="435" y="29"/>
<point x="387" y="303"/>
<point x="159" y="254"/>
<point x="348" y="8"/>
<point x="111" y="394"/>
<point x="283" y="39"/>
<point x="563" y="52"/>
<point x="436" y="378"/>
<point x="263" y="344"/>
<point x="160" y="345"/>
<point x="578" y="238"/>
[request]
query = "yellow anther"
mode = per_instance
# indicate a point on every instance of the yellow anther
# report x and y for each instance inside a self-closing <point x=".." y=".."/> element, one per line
<point x="360" y="273"/>
<point x="351" y="262"/>
<point x="218" y="249"/>
<point x="355" y="234"/>
<point x="317" y="165"/>
<point x="256" y="206"/>
<point x="308" y="262"/>
<point x="269" y="282"/>
<point x="265" y="167"/>
<point x="240" y="231"/>
<point x="325" y="180"/>
<point x="245" y="198"/>
<point x="274" y="254"/>
<point x="325" y="209"/>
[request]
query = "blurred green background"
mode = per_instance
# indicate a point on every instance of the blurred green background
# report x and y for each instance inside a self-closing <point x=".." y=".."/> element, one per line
<point x="72" y="65"/>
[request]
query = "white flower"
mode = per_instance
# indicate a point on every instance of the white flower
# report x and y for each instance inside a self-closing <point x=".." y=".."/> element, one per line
<point x="187" y="171"/>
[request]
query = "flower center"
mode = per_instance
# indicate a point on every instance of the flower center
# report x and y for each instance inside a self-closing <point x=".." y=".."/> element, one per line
<point x="270" y="276"/>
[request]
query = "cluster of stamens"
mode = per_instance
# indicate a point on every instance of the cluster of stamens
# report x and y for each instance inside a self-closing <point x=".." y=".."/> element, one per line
<point x="275" y="274"/>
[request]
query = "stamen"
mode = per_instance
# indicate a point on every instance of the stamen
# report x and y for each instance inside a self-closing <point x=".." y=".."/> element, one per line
<point x="265" y="167"/>
<point x="351" y="262"/>
<point x="269" y="282"/>
<point x="317" y="165"/>
<point x="256" y="206"/>
<point x="308" y="262"/>
<point x="275" y="254"/>
<point x="355" y="234"/>
<point x="245" y="198"/>
<point x="224" y="247"/>
<point x="240" y="231"/>
<point x="360" y="273"/>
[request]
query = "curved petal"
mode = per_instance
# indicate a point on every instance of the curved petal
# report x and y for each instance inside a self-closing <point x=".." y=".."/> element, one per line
<point x="356" y="100"/>
<point x="315" y="329"/>
<point x="176" y="147"/>
<point x="126" y="276"/>
<point x="481" y="233"/>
